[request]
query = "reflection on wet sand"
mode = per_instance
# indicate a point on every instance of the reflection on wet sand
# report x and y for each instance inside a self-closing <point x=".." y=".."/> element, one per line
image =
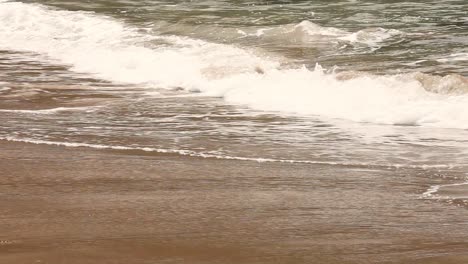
<point x="62" y="205"/>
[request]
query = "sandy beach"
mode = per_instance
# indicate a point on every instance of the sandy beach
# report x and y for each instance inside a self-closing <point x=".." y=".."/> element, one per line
<point x="73" y="205"/>
<point x="233" y="132"/>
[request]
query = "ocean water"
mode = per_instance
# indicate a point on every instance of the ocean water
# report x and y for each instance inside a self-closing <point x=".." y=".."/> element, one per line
<point x="361" y="84"/>
<point x="312" y="131"/>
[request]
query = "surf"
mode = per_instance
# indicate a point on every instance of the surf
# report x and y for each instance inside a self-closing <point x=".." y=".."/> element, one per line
<point x="108" y="49"/>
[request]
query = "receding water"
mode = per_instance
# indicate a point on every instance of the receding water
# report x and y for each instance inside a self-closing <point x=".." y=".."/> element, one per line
<point x="374" y="86"/>
<point x="333" y="82"/>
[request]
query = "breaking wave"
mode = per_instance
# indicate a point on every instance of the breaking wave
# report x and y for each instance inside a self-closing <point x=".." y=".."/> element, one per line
<point x="108" y="49"/>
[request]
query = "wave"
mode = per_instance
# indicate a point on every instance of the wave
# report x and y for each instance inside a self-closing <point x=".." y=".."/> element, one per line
<point x="307" y="31"/>
<point x="369" y="36"/>
<point x="209" y="155"/>
<point x="108" y="49"/>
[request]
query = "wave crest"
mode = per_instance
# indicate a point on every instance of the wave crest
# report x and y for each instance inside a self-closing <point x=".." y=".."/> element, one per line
<point x="307" y="31"/>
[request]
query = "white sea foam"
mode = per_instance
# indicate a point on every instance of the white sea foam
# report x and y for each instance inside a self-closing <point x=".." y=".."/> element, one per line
<point x="45" y="111"/>
<point x="108" y="49"/>
<point x="376" y="99"/>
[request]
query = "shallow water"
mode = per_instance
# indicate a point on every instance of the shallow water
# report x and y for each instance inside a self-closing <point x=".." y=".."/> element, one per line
<point x="64" y="205"/>
<point x="350" y="85"/>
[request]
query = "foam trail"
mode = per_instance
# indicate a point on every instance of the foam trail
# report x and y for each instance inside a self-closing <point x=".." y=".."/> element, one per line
<point x="110" y="50"/>
<point x="433" y="190"/>
<point x="46" y="111"/>
<point x="207" y="155"/>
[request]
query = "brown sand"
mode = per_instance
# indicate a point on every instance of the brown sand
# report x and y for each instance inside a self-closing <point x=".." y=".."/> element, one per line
<point x="73" y="205"/>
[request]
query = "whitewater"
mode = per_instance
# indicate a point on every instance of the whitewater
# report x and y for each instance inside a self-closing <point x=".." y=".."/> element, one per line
<point x="110" y="50"/>
<point x="233" y="131"/>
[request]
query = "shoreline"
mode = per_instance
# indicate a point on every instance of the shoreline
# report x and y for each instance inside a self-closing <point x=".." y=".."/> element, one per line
<point x="77" y="205"/>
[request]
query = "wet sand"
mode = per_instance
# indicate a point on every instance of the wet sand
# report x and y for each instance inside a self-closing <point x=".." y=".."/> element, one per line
<point x="76" y="205"/>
